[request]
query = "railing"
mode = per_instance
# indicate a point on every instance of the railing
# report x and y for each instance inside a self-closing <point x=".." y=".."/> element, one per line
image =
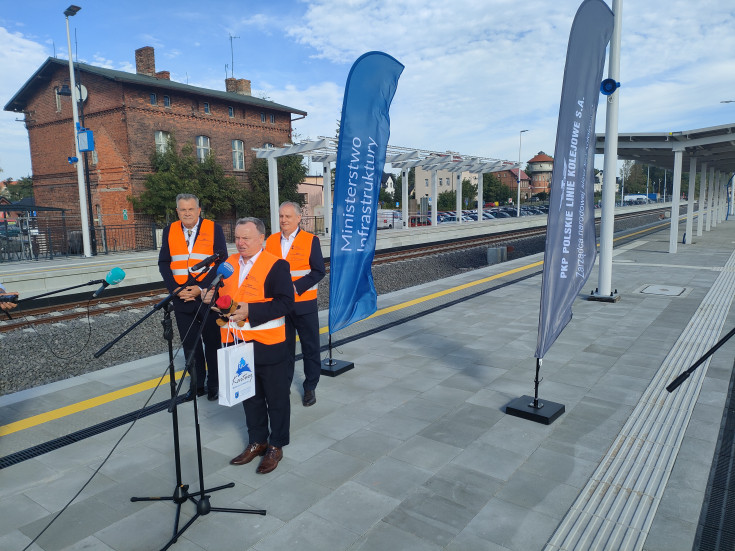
<point x="48" y="240"/>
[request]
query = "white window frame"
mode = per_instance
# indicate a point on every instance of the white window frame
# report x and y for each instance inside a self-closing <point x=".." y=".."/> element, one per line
<point x="161" y="137"/>
<point x="238" y="155"/>
<point x="204" y="148"/>
<point x="207" y="109"/>
<point x="167" y="101"/>
<point x="231" y="111"/>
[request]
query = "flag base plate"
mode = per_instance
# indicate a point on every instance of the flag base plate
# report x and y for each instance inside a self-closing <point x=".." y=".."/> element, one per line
<point x="546" y="413"/>
<point x="612" y="297"/>
<point x="332" y="368"/>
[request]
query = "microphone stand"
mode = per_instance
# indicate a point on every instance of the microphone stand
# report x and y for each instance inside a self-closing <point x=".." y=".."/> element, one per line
<point x="93" y="282"/>
<point x="181" y="492"/>
<point x="684" y="376"/>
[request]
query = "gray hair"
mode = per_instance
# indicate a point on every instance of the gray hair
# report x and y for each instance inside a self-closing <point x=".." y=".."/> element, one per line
<point x="186" y="197"/>
<point x="259" y="225"/>
<point x="296" y="207"/>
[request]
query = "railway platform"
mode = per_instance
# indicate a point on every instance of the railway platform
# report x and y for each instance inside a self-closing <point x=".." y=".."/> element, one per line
<point x="412" y="449"/>
<point x="33" y="277"/>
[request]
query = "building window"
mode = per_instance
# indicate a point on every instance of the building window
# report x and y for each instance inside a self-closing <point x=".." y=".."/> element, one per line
<point x="166" y="101"/>
<point x="273" y="119"/>
<point x="426" y="182"/>
<point x="238" y="155"/>
<point x="206" y="107"/>
<point x="304" y="198"/>
<point x="162" y="139"/>
<point x="231" y="111"/>
<point x="262" y="117"/>
<point x="441" y="181"/>
<point x="154" y="99"/>
<point x="203" y="148"/>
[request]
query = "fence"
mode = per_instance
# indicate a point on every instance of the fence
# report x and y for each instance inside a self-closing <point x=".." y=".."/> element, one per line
<point x="52" y="237"/>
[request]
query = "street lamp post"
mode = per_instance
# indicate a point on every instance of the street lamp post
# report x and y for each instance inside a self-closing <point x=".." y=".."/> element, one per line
<point x="518" y="206"/>
<point x="69" y="12"/>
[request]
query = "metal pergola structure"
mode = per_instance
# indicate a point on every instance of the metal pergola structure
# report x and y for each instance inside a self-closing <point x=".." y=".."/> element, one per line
<point x="712" y="147"/>
<point x="324" y="151"/>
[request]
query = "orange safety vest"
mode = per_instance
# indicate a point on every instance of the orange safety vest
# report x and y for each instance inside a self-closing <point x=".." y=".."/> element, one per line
<point x="297" y="258"/>
<point x="252" y="290"/>
<point x="181" y="259"/>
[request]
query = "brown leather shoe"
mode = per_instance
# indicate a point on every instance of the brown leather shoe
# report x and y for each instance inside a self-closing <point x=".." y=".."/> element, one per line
<point x="250" y="453"/>
<point x="309" y="398"/>
<point x="269" y="463"/>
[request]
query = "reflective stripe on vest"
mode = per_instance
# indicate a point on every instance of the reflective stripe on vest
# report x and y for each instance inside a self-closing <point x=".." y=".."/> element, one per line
<point x="298" y="258"/>
<point x="181" y="259"/>
<point x="251" y="291"/>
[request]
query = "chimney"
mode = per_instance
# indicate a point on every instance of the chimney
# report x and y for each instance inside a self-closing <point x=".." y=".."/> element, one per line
<point x="166" y="75"/>
<point x="145" y="61"/>
<point x="238" y="86"/>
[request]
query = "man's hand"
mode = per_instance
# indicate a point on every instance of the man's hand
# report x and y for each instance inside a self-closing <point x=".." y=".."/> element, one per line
<point x="207" y="298"/>
<point x="240" y="313"/>
<point x="190" y="293"/>
<point x="8" y="305"/>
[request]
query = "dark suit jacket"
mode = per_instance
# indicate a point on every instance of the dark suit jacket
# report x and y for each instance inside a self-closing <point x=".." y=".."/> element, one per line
<point x="278" y="287"/>
<point x="164" y="266"/>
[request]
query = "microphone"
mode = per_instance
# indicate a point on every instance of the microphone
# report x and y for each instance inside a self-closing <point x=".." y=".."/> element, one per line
<point x="224" y="271"/>
<point x="113" y="277"/>
<point x="9" y="298"/>
<point x="216" y="257"/>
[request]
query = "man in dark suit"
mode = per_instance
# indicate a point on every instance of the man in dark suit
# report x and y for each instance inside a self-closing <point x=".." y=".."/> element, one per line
<point x="261" y="286"/>
<point x="303" y="253"/>
<point x="184" y="244"/>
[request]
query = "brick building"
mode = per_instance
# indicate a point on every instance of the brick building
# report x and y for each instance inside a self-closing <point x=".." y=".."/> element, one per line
<point x="131" y="115"/>
<point x="540" y="169"/>
<point x="510" y="178"/>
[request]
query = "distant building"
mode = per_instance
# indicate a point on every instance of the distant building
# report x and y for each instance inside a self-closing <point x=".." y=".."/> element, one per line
<point x="510" y="178"/>
<point x="540" y="169"/>
<point x="312" y="193"/>
<point x="445" y="181"/>
<point x="132" y="115"/>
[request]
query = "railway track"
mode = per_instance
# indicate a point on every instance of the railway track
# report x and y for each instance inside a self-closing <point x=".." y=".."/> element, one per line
<point x="22" y="317"/>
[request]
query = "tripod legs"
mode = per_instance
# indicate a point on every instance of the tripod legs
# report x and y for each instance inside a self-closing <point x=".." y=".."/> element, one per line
<point x="181" y="492"/>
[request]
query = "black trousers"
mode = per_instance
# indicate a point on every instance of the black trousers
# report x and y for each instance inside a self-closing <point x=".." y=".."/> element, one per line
<point x="268" y="413"/>
<point x="206" y="356"/>
<point x="307" y="326"/>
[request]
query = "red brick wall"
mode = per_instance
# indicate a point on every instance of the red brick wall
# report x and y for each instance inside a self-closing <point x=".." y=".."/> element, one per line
<point x="124" y="121"/>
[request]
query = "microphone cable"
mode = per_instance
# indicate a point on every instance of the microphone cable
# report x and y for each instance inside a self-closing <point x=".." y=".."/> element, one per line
<point x="43" y="338"/>
<point x="132" y="424"/>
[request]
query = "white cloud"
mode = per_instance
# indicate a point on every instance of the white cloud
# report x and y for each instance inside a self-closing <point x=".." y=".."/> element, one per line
<point x="478" y="72"/>
<point x="16" y="56"/>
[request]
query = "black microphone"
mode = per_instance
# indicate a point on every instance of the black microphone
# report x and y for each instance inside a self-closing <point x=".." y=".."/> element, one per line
<point x="224" y="271"/>
<point x="113" y="277"/>
<point x="216" y="257"/>
<point x="9" y="298"/>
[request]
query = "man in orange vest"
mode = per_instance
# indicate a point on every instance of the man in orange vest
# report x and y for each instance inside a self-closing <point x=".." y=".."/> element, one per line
<point x="261" y="286"/>
<point x="185" y="243"/>
<point x="303" y="253"/>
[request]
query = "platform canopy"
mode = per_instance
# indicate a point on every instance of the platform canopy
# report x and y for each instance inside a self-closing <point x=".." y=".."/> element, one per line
<point x="714" y="145"/>
<point x="324" y="150"/>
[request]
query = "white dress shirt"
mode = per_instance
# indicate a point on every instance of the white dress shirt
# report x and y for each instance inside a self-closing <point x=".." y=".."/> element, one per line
<point x="287" y="242"/>
<point x="246" y="266"/>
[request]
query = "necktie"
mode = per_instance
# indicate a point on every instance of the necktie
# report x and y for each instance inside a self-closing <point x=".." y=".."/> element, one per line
<point x="188" y="238"/>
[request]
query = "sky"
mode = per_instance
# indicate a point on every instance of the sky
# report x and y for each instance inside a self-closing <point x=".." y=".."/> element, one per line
<point x="476" y="72"/>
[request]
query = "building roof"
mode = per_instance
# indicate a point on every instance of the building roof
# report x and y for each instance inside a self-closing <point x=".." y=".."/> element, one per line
<point x="524" y="176"/>
<point x="18" y="102"/>
<point x="714" y="145"/>
<point x="541" y="158"/>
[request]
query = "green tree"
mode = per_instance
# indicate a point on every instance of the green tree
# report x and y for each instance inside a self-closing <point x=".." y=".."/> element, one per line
<point x="447" y="200"/>
<point x="21" y="189"/>
<point x="256" y="200"/>
<point x="493" y="190"/>
<point x="177" y="172"/>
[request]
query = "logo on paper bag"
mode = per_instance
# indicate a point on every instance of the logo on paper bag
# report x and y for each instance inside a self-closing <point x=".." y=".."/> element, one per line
<point x="244" y="374"/>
